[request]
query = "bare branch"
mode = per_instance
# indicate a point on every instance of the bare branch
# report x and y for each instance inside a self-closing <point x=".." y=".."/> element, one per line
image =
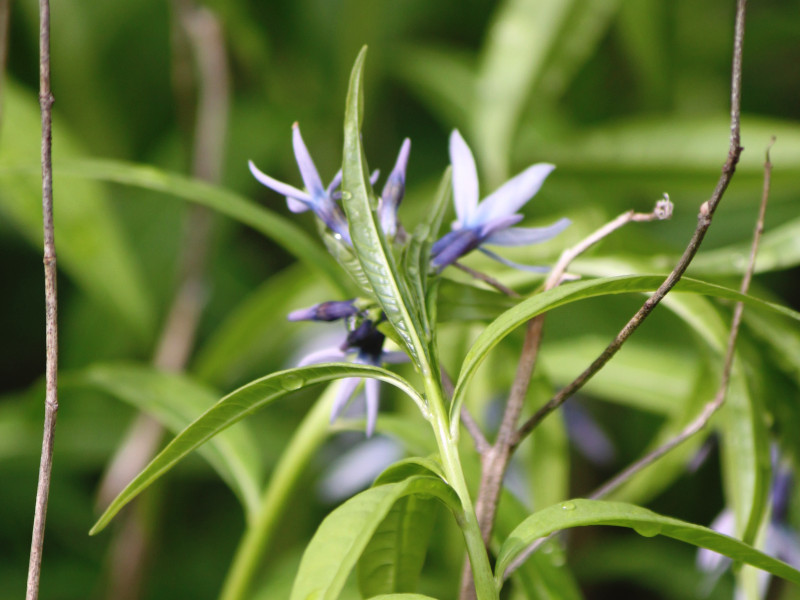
<point x="487" y="279"/>
<point x="704" y="222"/>
<point x="51" y="307"/>
<point x="719" y="399"/>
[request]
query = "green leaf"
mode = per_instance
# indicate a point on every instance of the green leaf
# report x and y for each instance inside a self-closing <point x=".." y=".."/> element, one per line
<point x="90" y="242"/>
<point x="306" y="440"/>
<point x="580" y="512"/>
<point x="401" y="597"/>
<point x="393" y="559"/>
<point x="175" y="401"/>
<point x="779" y="249"/>
<point x="514" y="53"/>
<point x="408" y="467"/>
<point x="343" y="535"/>
<point x="234" y="407"/>
<point x="371" y="247"/>
<point x="442" y="79"/>
<point x="279" y="229"/>
<point x="572" y="292"/>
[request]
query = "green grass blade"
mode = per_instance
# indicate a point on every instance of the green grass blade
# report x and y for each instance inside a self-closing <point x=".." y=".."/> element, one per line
<point x="279" y="229"/>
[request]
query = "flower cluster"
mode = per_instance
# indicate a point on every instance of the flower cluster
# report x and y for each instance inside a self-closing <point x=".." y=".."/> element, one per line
<point x="489" y="222"/>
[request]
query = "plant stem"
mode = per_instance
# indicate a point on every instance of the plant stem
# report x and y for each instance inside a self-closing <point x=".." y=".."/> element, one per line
<point x="448" y="451"/>
<point x="51" y="308"/>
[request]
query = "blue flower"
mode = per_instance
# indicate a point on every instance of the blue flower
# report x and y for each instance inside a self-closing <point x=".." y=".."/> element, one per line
<point x="393" y="191"/>
<point x="365" y="341"/>
<point x="490" y="221"/>
<point x="318" y="198"/>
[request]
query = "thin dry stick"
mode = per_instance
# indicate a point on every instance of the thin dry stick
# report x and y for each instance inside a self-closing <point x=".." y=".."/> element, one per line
<point x="704" y="222"/>
<point x="495" y="458"/>
<point x="719" y="399"/>
<point x="51" y="307"/>
<point x="206" y="42"/>
<point x="708" y="410"/>
<point x="487" y="279"/>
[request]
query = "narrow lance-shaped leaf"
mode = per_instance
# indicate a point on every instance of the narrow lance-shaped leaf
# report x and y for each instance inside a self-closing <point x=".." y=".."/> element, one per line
<point x="175" y="401"/>
<point x="234" y="407"/>
<point x="370" y="244"/>
<point x="572" y="292"/>
<point x="581" y="512"/>
<point x="342" y="536"/>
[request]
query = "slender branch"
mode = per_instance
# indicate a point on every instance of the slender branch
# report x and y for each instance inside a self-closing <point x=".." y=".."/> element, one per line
<point x="51" y="307"/>
<point x="719" y="399"/>
<point x="495" y="459"/>
<point x="703" y="223"/>
<point x="206" y="44"/>
<point x="487" y="279"/>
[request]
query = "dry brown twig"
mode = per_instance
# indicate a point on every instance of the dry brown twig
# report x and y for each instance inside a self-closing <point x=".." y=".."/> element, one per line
<point x="495" y="461"/>
<point x="51" y="307"/>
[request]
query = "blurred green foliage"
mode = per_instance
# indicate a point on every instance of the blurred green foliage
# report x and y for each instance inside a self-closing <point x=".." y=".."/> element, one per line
<point x="629" y="99"/>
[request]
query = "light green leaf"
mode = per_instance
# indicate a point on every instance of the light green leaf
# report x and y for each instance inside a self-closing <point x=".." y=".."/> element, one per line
<point x="393" y="559"/>
<point x="175" y="400"/>
<point x="343" y="535"/>
<point x="442" y="79"/>
<point x="408" y="467"/>
<point x="279" y="229"/>
<point x="90" y="242"/>
<point x="571" y="292"/>
<point x="371" y="247"/>
<point x="517" y="43"/>
<point x="306" y="440"/>
<point x="401" y="597"/>
<point x="779" y="249"/>
<point x="580" y="512"/>
<point x="234" y="407"/>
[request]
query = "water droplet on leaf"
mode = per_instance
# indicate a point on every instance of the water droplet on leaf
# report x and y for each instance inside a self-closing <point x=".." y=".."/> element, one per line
<point x="346" y="195"/>
<point x="292" y="382"/>
<point x="647" y="529"/>
<point x="568" y="506"/>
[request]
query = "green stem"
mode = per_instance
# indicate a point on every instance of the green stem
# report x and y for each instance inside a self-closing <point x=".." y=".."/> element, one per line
<point x="249" y="555"/>
<point x="448" y="450"/>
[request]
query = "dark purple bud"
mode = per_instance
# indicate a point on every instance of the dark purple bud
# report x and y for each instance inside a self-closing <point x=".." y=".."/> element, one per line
<point x="452" y="246"/>
<point x="326" y="311"/>
<point x="367" y="340"/>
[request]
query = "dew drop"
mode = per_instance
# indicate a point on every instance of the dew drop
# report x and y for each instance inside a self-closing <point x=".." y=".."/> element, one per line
<point x="292" y="382"/>
<point x="647" y="529"/>
<point x="568" y="506"/>
<point x="346" y="195"/>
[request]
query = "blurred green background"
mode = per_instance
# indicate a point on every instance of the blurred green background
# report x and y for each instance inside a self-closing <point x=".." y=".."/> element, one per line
<point x="629" y="98"/>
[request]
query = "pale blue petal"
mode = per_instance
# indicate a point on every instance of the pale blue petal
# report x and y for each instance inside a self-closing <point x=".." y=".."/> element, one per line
<point x="373" y="391"/>
<point x="321" y="356"/>
<point x="513" y="194"/>
<point x="343" y="394"/>
<point x="495" y="226"/>
<point x="465" y="178"/>
<point x="280" y="187"/>
<point x="511" y="263"/>
<point x="296" y="206"/>
<point x="522" y="236"/>
<point x="336" y="182"/>
<point x="374" y="177"/>
<point x="394" y="358"/>
<point x="307" y="169"/>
